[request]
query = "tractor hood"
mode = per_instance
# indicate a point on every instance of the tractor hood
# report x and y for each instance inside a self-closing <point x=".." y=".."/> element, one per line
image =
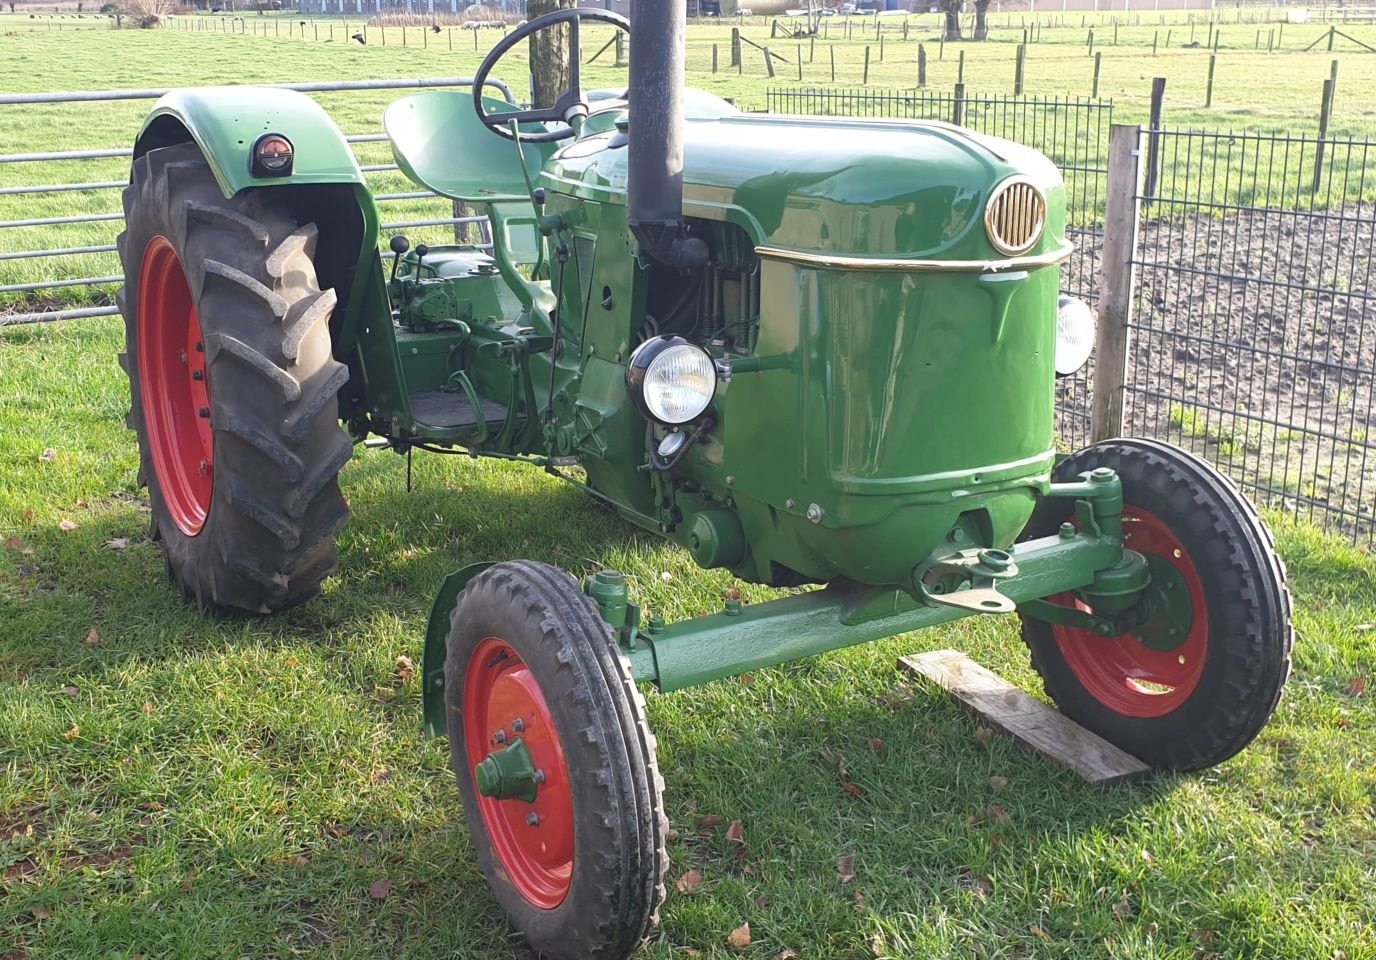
<point x="872" y="188"/>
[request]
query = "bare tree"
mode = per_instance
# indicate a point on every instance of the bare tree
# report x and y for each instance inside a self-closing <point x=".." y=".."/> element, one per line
<point x="952" y="10"/>
<point x="149" y="13"/>
<point x="981" y="19"/>
<point x="549" y="67"/>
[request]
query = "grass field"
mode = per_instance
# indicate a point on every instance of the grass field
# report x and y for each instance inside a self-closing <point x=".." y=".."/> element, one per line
<point x="176" y="787"/>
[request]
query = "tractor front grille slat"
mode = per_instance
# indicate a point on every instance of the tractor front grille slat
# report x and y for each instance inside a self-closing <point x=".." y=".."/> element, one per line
<point x="1015" y="216"/>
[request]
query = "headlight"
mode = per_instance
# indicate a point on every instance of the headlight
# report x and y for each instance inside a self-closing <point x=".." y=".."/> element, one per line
<point x="672" y="380"/>
<point x="1074" y="335"/>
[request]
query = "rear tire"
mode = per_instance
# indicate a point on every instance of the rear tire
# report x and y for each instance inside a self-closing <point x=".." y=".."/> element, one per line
<point x="233" y="386"/>
<point x="1202" y="700"/>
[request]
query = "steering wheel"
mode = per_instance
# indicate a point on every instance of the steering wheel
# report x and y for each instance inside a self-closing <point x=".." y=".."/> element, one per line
<point x="570" y="103"/>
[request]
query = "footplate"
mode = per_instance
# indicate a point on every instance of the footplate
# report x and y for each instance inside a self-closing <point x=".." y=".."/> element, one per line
<point x="968" y="580"/>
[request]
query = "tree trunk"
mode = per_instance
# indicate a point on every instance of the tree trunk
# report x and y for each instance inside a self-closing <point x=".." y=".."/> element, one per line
<point x="952" y="10"/>
<point x="549" y="67"/>
<point x="981" y="20"/>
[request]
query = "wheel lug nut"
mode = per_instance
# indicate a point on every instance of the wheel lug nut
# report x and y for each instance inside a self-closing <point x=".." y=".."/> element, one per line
<point x="533" y="819"/>
<point x="499" y="737"/>
<point x="197" y="375"/>
<point x="203" y="413"/>
<point x="518" y="725"/>
<point x="538" y="776"/>
<point x="200" y="346"/>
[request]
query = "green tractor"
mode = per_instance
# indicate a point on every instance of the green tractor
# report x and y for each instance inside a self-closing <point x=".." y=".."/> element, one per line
<point x="819" y="353"/>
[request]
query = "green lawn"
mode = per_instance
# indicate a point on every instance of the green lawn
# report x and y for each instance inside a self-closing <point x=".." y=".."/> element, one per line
<point x="176" y="787"/>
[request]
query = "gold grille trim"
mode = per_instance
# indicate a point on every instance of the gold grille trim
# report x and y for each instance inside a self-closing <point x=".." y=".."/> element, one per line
<point x="1015" y="216"/>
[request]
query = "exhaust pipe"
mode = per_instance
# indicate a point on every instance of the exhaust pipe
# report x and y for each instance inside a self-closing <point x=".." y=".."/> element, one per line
<point x="655" y="175"/>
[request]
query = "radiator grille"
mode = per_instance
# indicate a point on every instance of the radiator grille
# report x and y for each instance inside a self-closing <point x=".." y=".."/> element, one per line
<point x="1015" y="216"/>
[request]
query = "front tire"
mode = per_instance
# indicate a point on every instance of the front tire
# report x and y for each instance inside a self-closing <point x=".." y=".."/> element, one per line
<point x="573" y="848"/>
<point x="1194" y="700"/>
<point x="233" y="386"/>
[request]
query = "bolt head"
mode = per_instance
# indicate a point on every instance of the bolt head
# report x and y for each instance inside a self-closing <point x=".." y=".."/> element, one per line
<point x="518" y="725"/>
<point x="790" y="503"/>
<point x="499" y="737"/>
<point x="814" y="512"/>
<point x="532" y="819"/>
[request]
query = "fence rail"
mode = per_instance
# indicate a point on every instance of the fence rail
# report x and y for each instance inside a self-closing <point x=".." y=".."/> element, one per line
<point x="114" y="218"/>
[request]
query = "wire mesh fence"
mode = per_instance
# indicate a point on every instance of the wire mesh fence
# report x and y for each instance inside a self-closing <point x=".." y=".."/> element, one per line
<point x="1254" y="337"/>
<point x="1072" y="131"/>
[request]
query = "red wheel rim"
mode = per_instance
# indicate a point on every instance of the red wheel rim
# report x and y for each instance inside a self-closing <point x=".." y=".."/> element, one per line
<point x="1123" y="674"/>
<point x="175" y="387"/>
<point x="538" y="857"/>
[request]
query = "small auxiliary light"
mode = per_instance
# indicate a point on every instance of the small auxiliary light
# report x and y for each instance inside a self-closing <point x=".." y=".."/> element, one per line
<point x="272" y="156"/>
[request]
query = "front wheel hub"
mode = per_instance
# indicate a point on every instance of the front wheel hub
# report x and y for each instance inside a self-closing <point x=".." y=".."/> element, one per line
<point x="507" y="774"/>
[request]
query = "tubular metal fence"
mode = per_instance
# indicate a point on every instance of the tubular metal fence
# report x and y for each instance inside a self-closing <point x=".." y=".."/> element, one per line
<point x="1254" y="336"/>
<point x="26" y="298"/>
<point x="1072" y="131"/>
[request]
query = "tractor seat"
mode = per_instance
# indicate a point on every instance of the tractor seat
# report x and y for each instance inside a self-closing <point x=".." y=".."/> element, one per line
<point x="439" y="142"/>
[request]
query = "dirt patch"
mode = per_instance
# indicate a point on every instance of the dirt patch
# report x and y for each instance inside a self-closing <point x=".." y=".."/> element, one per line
<point x="1255" y="345"/>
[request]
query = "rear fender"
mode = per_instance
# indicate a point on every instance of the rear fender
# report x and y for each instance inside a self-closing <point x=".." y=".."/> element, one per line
<point x="436" y="640"/>
<point x="226" y="121"/>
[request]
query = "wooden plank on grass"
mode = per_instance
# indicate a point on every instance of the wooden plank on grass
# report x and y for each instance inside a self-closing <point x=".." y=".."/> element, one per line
<point x="1024" y="718"/>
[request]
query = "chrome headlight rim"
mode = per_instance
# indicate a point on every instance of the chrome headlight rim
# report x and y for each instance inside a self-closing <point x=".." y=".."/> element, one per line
<point x="652" y="355"/>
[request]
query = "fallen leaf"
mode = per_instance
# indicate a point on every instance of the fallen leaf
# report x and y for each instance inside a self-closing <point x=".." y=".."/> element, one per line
<point x="733" y="592"/>
<point x="852" y="789"/>
<point x="72" y="734"/>
<point x="47" y="455"/>
<point x="692" y="952"/>
<point x="41" y="912"/>
<point x="997" y="783"/>
<point x="382" y="775"/>
<point x="983" y="733"/>
<point x="147" y="707"/>
<point x="1150" y="860"/>
<point x="380" y="889"/>
<point x="300" y="860"/>
<point x="878" y="944"/>
<point x="709" y="822"/>
<point x="876" y="745"/>
<point x="1356" y="686"/>
<point x="739" y="938"/>
<point x="69" y="691"/>
<point x="66" y="526"/>
<point x="687" y="883"/>
<point x="672" y="835"/>
<point x="787" y="953"/>
<point x="405" y="668"/>
<point x="982" y="887"/>
<point x="1122" y="909"/>
<point x="845" y="868"/>
<point x="14" y="543"/>
<point x="117" y="543"/>
<point x="28" y="514"/>
<point x="92" y="637"/>
<point x="896" y="697"/>
<point x="666" y="576"/>
<point x="761" y="901"/>
<point x="735" y="832"/>
<point x="997" y="814"/>
<point x="1040" y="934"/>
<point x="1364" y="627"/>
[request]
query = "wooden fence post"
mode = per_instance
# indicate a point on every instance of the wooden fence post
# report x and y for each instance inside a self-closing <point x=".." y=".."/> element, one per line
<point x="800" y="63"/>
<point x="1209" y="88"/>
<point x="1122" y="211"/>
<point x="735" y="46"/>
<point x="1098" y="62"/>
<point x="921" y="65"/>
<point x="865" y="82"/>
<point x="1325" y="114"/>
<point x="1019" y="67"/>
<point x="769" y="62"/>
<point x="1158" y="98"/>
<point x="958" y="106"/>
<point x="715" y="54"/>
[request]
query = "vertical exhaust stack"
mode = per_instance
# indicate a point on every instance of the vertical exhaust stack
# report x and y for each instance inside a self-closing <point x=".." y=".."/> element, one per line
<point x="655" y="175"/>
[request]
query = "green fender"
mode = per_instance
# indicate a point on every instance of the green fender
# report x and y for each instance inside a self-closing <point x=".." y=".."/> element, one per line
<point x="225" y="121"/>
<point x="436" y="633"/>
